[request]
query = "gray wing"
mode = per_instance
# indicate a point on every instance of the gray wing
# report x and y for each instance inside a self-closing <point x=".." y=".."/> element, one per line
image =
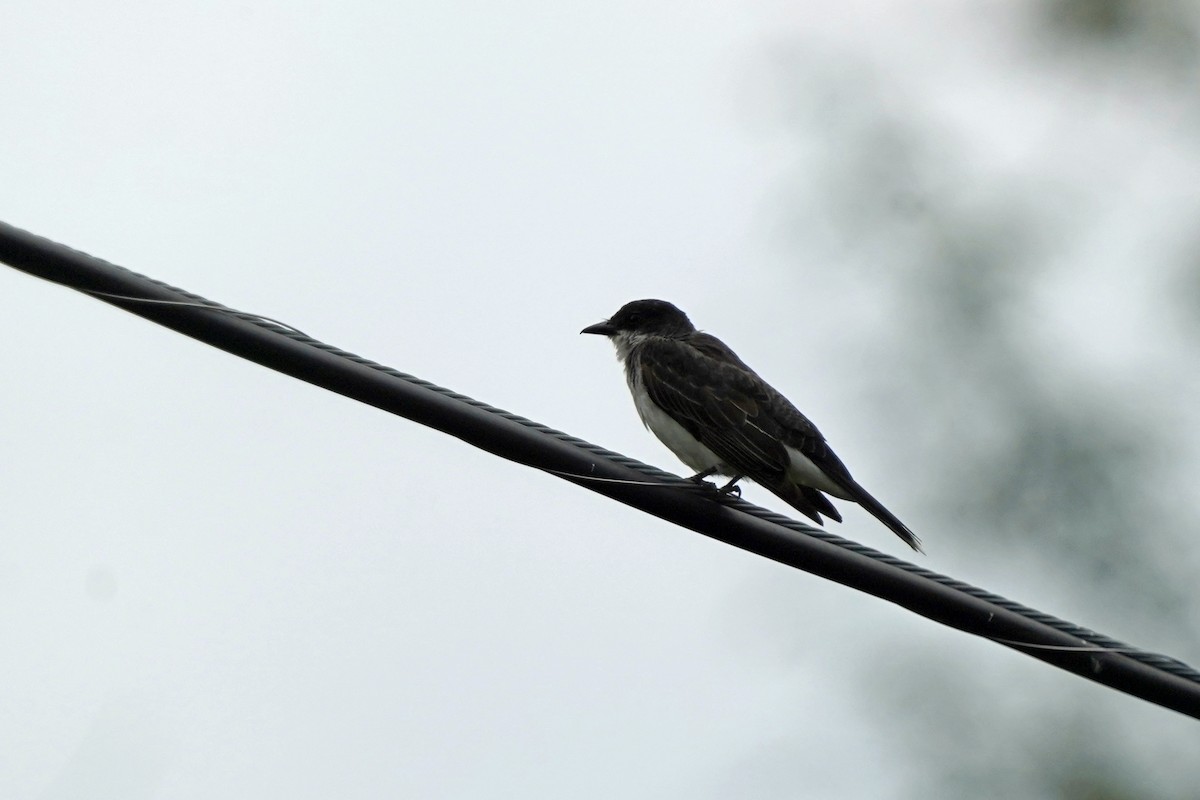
<point x="732" y="411"/>
<point x="714" y="400"/>
<point x="711" y="392"/>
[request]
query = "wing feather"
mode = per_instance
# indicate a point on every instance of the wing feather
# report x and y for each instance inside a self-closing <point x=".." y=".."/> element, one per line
<point x="749" y="425"/>
<point x="710" y="393"/>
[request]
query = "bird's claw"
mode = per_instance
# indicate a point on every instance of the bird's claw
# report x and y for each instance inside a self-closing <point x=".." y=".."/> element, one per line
<point x="730" y="488"/>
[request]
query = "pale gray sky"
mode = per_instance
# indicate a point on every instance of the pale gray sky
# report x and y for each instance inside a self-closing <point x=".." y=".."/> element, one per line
<point x="216" y="581"/>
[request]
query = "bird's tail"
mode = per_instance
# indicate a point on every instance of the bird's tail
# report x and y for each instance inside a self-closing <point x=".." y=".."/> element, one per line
<point x="864" y="499"/>
<point x="812" y="503"/>
<point x="808" y="501"/>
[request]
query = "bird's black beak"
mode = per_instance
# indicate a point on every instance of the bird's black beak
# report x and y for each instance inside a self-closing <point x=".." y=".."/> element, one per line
<point x="602" y="328"/>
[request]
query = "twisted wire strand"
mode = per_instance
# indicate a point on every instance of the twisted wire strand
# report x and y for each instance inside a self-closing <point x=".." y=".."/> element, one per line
<point x="68" y="267"/>
<point x="1094" y="641"/>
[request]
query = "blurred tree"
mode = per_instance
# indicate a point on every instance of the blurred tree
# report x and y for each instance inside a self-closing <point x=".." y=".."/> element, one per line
<point x="1060" y="473"/>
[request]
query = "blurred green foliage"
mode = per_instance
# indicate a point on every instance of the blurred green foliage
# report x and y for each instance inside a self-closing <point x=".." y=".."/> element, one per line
<point x="1058" y="473"/>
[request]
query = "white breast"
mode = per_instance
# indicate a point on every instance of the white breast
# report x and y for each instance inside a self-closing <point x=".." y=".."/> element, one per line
<point x="687" y="448"/>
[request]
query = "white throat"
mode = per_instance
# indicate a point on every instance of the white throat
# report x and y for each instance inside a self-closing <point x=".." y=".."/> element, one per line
<point x="625" y="341"/>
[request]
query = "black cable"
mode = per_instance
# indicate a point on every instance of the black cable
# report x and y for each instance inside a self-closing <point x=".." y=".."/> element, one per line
<point x="1150" y="676"/>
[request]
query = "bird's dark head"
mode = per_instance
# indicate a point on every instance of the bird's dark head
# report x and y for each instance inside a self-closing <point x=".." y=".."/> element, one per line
<point x="644" y="318"/>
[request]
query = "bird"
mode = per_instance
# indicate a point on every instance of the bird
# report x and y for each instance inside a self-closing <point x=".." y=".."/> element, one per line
<point x="720" y="418"/>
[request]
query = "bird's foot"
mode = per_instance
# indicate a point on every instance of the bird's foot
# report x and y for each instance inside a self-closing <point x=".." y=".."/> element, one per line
<point x="707" y="487"/>
<point x="732" y="487"/>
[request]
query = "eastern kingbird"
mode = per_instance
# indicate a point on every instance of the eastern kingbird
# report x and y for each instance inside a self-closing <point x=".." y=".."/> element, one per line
<point x="720" y="418"/>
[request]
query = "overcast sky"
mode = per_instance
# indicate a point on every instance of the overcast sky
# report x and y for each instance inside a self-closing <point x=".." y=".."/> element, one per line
<point x="216" y="581"/>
